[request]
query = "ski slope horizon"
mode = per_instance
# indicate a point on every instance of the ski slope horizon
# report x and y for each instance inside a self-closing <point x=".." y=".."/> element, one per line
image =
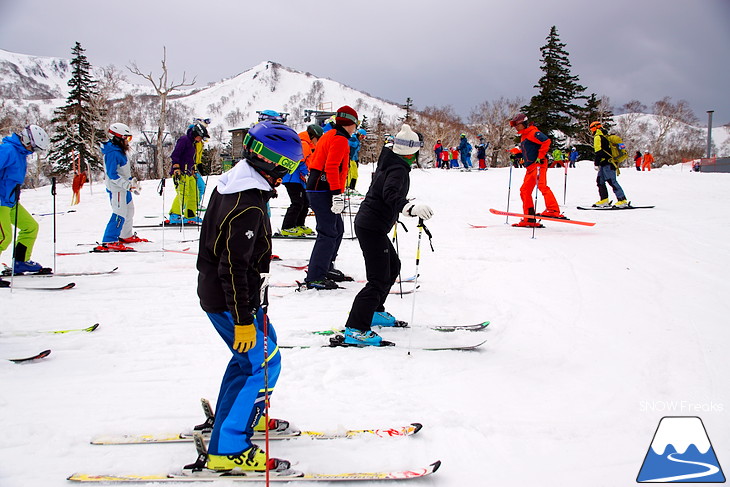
<point x="596" y="333"/>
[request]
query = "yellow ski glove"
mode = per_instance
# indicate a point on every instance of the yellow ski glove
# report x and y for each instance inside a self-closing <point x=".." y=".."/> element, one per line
<point x="244" y="337"/>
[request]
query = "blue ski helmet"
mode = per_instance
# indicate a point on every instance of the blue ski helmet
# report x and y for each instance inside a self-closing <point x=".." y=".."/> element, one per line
<point x="271" y="115"/>
<point x="278" y="143"/>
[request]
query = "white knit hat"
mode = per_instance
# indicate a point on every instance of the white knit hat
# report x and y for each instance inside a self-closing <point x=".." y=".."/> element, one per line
<point x="406" y="141"/>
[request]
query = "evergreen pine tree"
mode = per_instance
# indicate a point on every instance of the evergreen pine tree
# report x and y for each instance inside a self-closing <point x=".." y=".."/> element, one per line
<point x="76" y="124"/>
<point x="554" y="107"/>
<point x="594" y="111"/>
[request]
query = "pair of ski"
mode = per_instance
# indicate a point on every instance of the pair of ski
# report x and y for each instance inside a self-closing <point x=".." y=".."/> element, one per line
<point x="337" y="340"/>
<point x="403" y="324"/>
<point x="32" y="358"/>
<point x="19" y="333"/>
<point x="65" y="287"/>
<point x="44" y="353"/>
<point x="129" y="250"/>
<point x="60" y="274"/>
<point x="611" y="207"/>
<point x="294" y="237"/>
<point x="197" y="470"/>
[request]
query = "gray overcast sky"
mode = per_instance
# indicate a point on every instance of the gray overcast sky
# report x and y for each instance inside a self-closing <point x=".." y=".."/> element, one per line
<point x="438" y="52"/>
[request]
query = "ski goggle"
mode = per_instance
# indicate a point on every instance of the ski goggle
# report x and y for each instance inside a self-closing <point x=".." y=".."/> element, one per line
<point x="348" y="117"/>
<point x="408" y="143"/>
<point x="128" y="138"/>
<point x="257" y="147"/>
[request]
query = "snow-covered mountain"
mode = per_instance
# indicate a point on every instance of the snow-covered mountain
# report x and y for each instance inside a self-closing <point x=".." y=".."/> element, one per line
<point x="230" y="103"/>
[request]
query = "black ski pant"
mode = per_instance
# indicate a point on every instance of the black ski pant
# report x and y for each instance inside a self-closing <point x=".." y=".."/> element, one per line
<point x="382" y="267"/>
<point x="297" y="212"/>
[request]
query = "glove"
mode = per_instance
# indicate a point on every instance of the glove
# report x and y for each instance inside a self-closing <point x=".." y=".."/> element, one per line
<point x="423" y="212"/>
<point x="176" y="174"/>
<point x="338" y="204"/>
<point x="244" y="337"/>
<point x="134" y="186"/>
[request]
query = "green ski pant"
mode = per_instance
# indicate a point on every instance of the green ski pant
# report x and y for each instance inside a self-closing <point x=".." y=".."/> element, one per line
<point x="27" y="231"/>
<point x="187" y="193"/>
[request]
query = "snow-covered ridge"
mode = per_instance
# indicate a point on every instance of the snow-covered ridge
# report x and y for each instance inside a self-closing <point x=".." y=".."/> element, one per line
<point x="230" y="103"/>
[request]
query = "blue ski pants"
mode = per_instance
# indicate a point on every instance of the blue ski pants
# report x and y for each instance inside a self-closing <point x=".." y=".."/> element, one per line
<point x="607" y="174"/>
<point x="242" y="393"/>
<point x="120" y="223"/>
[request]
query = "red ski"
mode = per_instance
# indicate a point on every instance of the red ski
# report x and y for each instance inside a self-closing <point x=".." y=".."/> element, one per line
<point x="520" y="215"/>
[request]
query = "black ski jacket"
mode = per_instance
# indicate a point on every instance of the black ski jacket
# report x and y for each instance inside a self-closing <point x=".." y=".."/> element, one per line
<point x="386" y="196"/>
<point x="235" y="248"/>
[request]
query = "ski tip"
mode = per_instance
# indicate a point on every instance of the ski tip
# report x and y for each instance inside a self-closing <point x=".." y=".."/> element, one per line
<point x="417" y="427"/>
<point x="92" y="327"/>
<point x="435" y="465"/>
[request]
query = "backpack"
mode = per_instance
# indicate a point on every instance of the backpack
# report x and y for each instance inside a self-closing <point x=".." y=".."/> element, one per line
<point x="618" y="150"/>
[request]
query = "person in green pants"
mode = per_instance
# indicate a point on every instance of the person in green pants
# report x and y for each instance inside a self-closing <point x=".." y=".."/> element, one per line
<point x="185" y="205"/>
<point x="13" y="166"/>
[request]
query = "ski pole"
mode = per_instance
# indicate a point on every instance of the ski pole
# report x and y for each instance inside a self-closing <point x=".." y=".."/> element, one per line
<point x="349" y="210"/>
<point x="53" y="193"/>
<point x="509" y="190"/>
<point x="264" y="298"/>
<point x="161" y="192"/>
<point x="421" y="228"/>
<point x="565" y="186"/>
<point x="15" y="236"/>
<point x="397" y="253"/>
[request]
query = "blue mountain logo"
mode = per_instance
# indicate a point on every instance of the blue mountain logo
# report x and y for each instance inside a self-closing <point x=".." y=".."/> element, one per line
<point x="681" y="452"/>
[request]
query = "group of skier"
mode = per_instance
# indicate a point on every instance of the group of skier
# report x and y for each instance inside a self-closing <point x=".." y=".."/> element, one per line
<point x="235" y="248"/>
<point x="448" y="158"/>
<point x="235" y="253"/>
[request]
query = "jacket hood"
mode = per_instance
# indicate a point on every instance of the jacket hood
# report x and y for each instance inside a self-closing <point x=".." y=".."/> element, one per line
<point x="108" y="147"/>
<point x="15" y="141"/>
<point x="241" y="178"/>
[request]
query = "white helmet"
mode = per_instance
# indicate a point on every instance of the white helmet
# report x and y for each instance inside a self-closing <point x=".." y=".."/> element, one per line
<point x="119" y="130"/>
<point x="35" y="137"/>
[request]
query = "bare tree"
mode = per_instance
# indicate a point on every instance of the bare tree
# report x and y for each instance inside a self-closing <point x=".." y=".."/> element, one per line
<point x="492" y="118"/>
<point x="163" y="87"/>
<point x="676" y="131"/>
<point x="437" y="123"/>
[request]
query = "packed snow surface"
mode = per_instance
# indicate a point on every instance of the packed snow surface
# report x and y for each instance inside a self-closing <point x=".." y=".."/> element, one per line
<point x="596" y="333"/>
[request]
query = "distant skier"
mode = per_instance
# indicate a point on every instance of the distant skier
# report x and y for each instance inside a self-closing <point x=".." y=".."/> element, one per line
<point x="573" y="157"/>
<point x="185" y="205"/>
<point x="14" y="152"/>
<point x="295" y="183"/>
<point x="119" y="185"/>
<point x="235" y="249"/>
<point x="637" y="160"/>
<point x="355" y="142"/>
<point x="534" y="146"/>
<point x="482" y="153"/>
<point x="606" y="169"/>
<point x="465" y="152"/>
<point x="648" y="161"/>
<point x="385" y="199"/>
<point x="437" y="150"/>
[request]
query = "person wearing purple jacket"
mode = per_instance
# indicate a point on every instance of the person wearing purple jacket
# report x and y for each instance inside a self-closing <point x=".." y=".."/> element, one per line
<point x="183" y="175"/>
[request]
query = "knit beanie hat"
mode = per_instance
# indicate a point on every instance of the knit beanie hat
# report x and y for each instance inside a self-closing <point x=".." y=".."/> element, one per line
<point x="406" y="142"/>
<point x="345" y="116"/>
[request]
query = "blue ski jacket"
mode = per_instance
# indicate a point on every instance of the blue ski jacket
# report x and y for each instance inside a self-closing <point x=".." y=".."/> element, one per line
<point x="13" y="166"/>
